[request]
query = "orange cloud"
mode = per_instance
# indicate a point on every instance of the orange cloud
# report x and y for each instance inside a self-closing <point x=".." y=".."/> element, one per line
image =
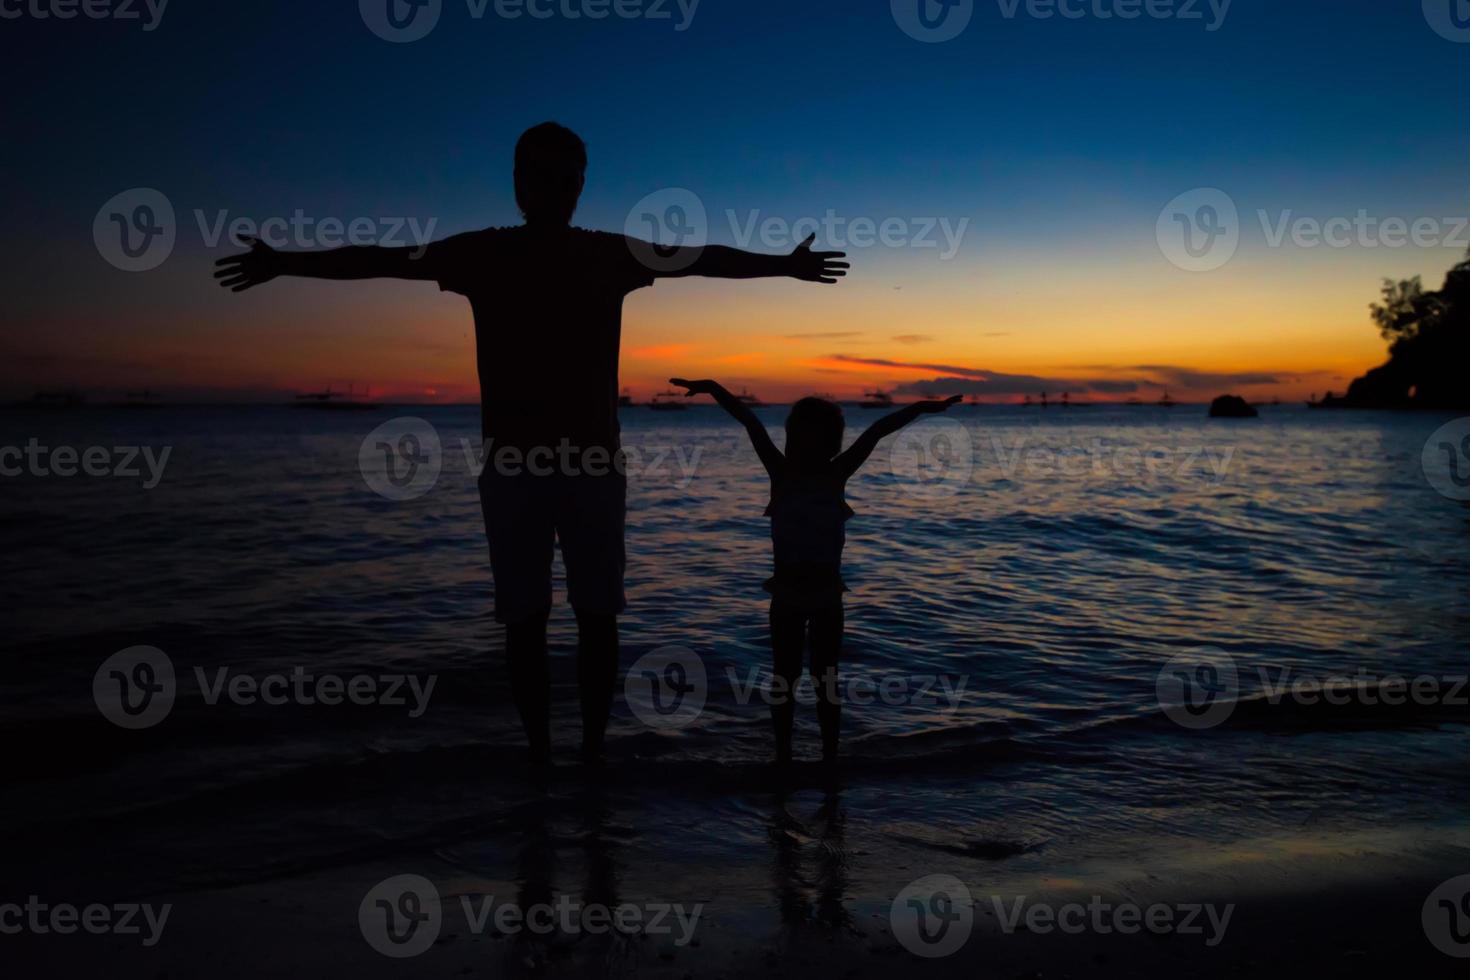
<point x="662" y="352"/>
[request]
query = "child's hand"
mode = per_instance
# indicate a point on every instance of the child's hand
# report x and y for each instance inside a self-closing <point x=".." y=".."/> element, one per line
<point x="705" y="387"/>
<point x="934" y="407"/>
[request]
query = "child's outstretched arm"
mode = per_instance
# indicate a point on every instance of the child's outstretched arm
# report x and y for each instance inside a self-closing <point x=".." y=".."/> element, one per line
<point x="764" y="448"/>
<point x="857" y="454"/>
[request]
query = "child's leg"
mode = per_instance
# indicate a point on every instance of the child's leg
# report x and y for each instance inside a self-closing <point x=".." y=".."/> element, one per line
<point x="788" y="636"/>
<point x="826" y="646"/>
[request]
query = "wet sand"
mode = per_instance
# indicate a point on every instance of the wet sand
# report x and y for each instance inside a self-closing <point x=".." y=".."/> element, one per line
<point x="1345" y="906"/>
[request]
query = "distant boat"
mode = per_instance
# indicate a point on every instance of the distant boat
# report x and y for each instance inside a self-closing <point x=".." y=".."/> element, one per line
<point x="140" y="399"/>
<point x="323" y="401"/>
<point x="1133" y="401"/>
<point x="749" y="400"/>
<point x="54" y="399"/>
<point x="668" y="401"/>
<point x="1066" y="399"/>
<point x="1027" y="403"/>
<point x="1166" y="401"/>
<point x="1328" y="400"/>
<point x="625" y="400"/>
<point x="876" y="399"/>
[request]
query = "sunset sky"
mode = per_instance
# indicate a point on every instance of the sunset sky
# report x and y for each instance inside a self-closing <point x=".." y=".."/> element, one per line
<point x="1054" y="143"/>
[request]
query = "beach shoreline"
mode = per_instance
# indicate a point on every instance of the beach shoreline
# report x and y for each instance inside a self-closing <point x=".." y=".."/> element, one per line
<point x="1344" y="905"/>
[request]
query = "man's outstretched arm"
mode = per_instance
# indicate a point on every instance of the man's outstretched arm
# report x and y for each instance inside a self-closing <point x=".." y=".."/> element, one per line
<point x="723" y="262"/>
<point x="262" y="264"/>
<point x="862" y="447"/>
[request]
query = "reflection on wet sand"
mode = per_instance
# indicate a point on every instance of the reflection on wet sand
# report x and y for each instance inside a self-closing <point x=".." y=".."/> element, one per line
<point x="810" y="871"/>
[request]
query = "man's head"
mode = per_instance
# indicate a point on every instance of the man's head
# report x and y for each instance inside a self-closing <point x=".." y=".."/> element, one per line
<point x="551" y="164"/>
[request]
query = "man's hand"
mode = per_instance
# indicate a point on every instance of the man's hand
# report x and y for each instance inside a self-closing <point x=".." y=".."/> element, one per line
<point x="933" y="407"/>
<point x="812" y="266"/>
<point x="705" y="387"/>
<point x="238" y="273"/>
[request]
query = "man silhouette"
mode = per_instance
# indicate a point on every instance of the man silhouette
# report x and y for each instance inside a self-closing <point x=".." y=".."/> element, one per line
<point x="547" y="300"/>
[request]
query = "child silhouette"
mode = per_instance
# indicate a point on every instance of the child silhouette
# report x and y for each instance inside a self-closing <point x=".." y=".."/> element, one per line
<point x="808" y="512"/>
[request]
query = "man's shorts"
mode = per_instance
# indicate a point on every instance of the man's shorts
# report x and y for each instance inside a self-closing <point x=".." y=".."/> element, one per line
<point x="526" y="514"/>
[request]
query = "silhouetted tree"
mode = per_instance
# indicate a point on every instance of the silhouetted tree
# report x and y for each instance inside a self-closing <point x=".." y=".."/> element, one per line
<point x="1429" y="345"/>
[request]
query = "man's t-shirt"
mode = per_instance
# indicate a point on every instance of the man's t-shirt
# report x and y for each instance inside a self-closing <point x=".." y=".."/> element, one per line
<point x="548" y="321"/>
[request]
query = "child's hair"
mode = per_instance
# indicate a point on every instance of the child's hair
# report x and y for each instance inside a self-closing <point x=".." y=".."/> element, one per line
<point x="814" y="430"/>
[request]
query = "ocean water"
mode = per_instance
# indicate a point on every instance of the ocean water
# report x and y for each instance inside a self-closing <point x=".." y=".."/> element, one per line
<point x="1043" y="568"/>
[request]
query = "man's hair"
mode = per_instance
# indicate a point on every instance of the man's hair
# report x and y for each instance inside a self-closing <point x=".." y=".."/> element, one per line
<point x="551" y="139"/>
<point x="815" y="426"/>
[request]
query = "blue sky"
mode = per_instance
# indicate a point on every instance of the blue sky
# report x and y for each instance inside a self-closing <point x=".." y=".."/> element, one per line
<point x="1058" y="139"/>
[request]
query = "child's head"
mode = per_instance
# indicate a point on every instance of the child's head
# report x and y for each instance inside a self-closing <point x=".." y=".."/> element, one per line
<point x="814" y="431"/>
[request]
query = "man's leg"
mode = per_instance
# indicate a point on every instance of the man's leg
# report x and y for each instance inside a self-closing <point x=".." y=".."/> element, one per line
<point x="597" y="677"/>
<point x="530" y="682"/>
<point x="590" y="512"/>
<point x="522" y="534"/>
